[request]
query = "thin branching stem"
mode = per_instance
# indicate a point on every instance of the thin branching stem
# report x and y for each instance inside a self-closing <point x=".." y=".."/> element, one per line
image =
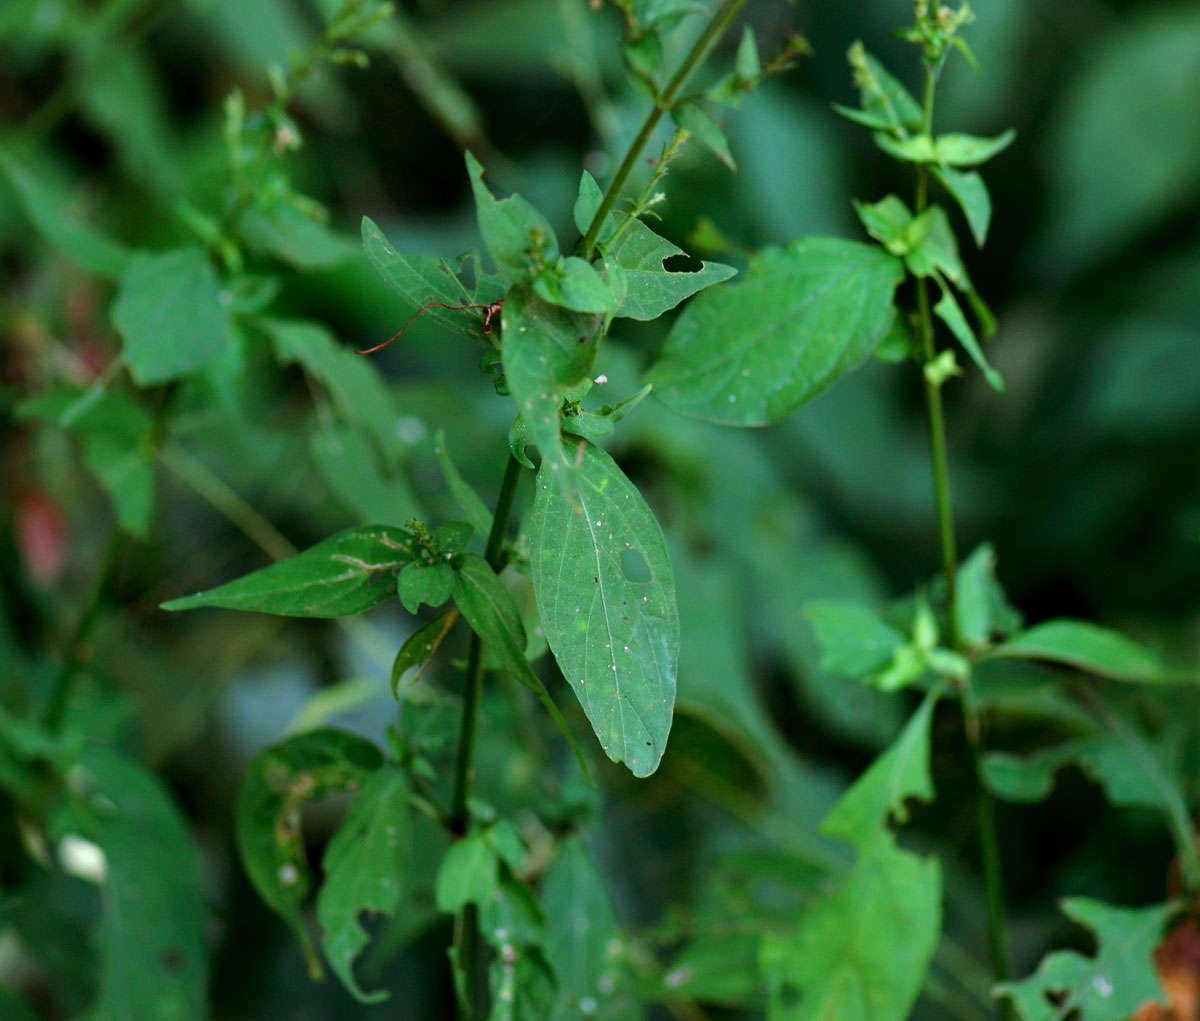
<point x="666" y="99"/>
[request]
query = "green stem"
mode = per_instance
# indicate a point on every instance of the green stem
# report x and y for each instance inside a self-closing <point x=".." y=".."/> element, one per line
<point x="466" y="925"/>
<point x="985" y="808"/>
<point x="666" y="99"/>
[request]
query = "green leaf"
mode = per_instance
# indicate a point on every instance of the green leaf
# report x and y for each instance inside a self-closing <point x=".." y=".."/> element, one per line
<point x="472" y="506"/>
<point x="1111" y="986"/>
<point x="914" y="149"/>
<point x="354" y="384"/>
<point x="421" y="646"/>
<point x="886" y="221"/>
<point x="279" y="780"/>
<point x="883" y="98"/>
<point x="821" y="305"/>
<point x="958" y="150"/>
<point x="172" y="315"/>
<point x="515" y="233"/>
<point x="692" y="118"/>
<point x="469" y="874"/>
<point x="838" y="962"/>
<point x="424" y="583"/>
<point x="365" y="867"/>
<point x="420" y="279"/>
<point x="949" y="311"/>
<point x="854" y="642"/>
<point x="48" y="210"/>
<point x="1092" y="649"/>
<point x="153" y="957"/>
<point x="574" y="284"/>
<point x="350" y="465"/>
<point x="747" y="64"/>
<point x="981" y="608"/>
<point x="546" y="350"/>
<point x="295" y="237"/>
<point x="345" y="574"/>
<point x="584" y="943"/>
<point x="650" y="288"/>
<point x="606" y="598"/>
<point x="937" y="250"/>
<point x="971" y="194"/>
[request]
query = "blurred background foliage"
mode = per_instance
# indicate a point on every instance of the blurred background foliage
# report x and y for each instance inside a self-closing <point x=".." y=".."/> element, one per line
<point x="1084" y="475"/>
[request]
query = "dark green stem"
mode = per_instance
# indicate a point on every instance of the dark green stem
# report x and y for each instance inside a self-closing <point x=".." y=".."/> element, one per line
<point x="985" y="808"/>
<point x="60" y="693"/>
<point x="466" y="925"/>
<point x="666" y="99"/>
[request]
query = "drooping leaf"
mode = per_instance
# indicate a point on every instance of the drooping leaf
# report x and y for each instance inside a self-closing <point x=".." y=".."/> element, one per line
<point x="981" y="608"/>
<point x="854" y="642"/>
<point x="278" y="782"/>
<point x="47" y="209"/>
<point x="345" y="574"/>
<point x="959" y="150"/>
<point x="606" y="598"/>
<point x="353" y="382"/>
<point x="947" y="309"/>
<point x="650" y="288"/>
<point x="153" y="960"/>
<point x="421" y="646"/>
<point x="1092" y="649"/>
<point x="971" y="194"/>
<point x="584" y="942"/>
<point x="696" y="122"/>
<point x="365" y="871"/>
<point x="420" y="279"/>
<point x="821" y="305"/>
<point x="546" y="350"/>
<point x="1110" y="986"/>
<point x="513" y="230"/>
<point x="841" y="962"/>
<point x="172" y="315"/>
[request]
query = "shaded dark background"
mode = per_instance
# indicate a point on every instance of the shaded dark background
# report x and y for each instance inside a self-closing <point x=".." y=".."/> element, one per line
<point x="1084" y="475"/>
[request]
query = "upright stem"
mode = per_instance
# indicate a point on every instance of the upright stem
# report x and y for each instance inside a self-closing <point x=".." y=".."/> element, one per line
<point x="985" y="809"/>
<point x="466" y="925"/>
<point x="666" y="99"/>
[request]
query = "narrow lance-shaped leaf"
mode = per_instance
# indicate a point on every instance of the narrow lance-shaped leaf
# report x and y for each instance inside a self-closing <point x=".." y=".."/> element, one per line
<point x="971" y="194"/>
<point x="958" y="150"/>
<point x="650" y="288"/>
<point x="606" y="597"/>
<point x="1092" y="649"/>
<point x="364" y="865"/>
<point x="346" y="574"/>
<point x="820" y="307"/>
<point x="949" y="311"/>
<point x="421" y="646"/>
<point x="1111" y="986"/>
<point x="279" y="780"/>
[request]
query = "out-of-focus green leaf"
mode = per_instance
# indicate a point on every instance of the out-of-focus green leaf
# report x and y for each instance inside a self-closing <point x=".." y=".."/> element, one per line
<point x="584" y="942"/>
<point x="854" y="642"/>
<point x="606" y="597"/>
<point x="837" y="963"/>
<point x="971" y="194"/>
<point x="958" y="150"/>
<point x="153" y="960"/>
<point x="421" y="646"/>
<point x="472" y="506"/>
<point x="345" y="574"/>
<point x="1092" y="649"/>
<point x="1111" y="986"/>
<point x="696" y="122"/>
<point x="886" y="221"/>
<point x="278" y="782"/>
<point x="86" y="247"/>
<point x="650" y="288"/>
<point x="469" y="874"/>
<point x="349" y="464"/>
<point x="822" y="304"/>
<point x="365" y="870"/>
<point x="884" y="100"/>
<point x="948" y="310"/>
<point x="294" y="237"/>
<point x="354" y="384"/>
<point x="981" y="608"/>
<point x="546" y="350"/>
<point x="172" y="314"/>
<point x="936" y="249"/>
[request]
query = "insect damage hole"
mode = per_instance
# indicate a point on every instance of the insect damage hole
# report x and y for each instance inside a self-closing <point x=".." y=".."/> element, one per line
<point x="634" y="567"/>
<point x="681" y="262"/>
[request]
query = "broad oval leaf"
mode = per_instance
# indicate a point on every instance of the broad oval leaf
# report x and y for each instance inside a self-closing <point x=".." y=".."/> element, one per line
<point x="346" y="574"/>
<point x="171" y="314"/>
<point x="751" y="352"/>
<point x="606" y="596"/>
<point x="364" y="865"/>
<point x="280" y="779"/>
<point x="1092" y="649"/>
